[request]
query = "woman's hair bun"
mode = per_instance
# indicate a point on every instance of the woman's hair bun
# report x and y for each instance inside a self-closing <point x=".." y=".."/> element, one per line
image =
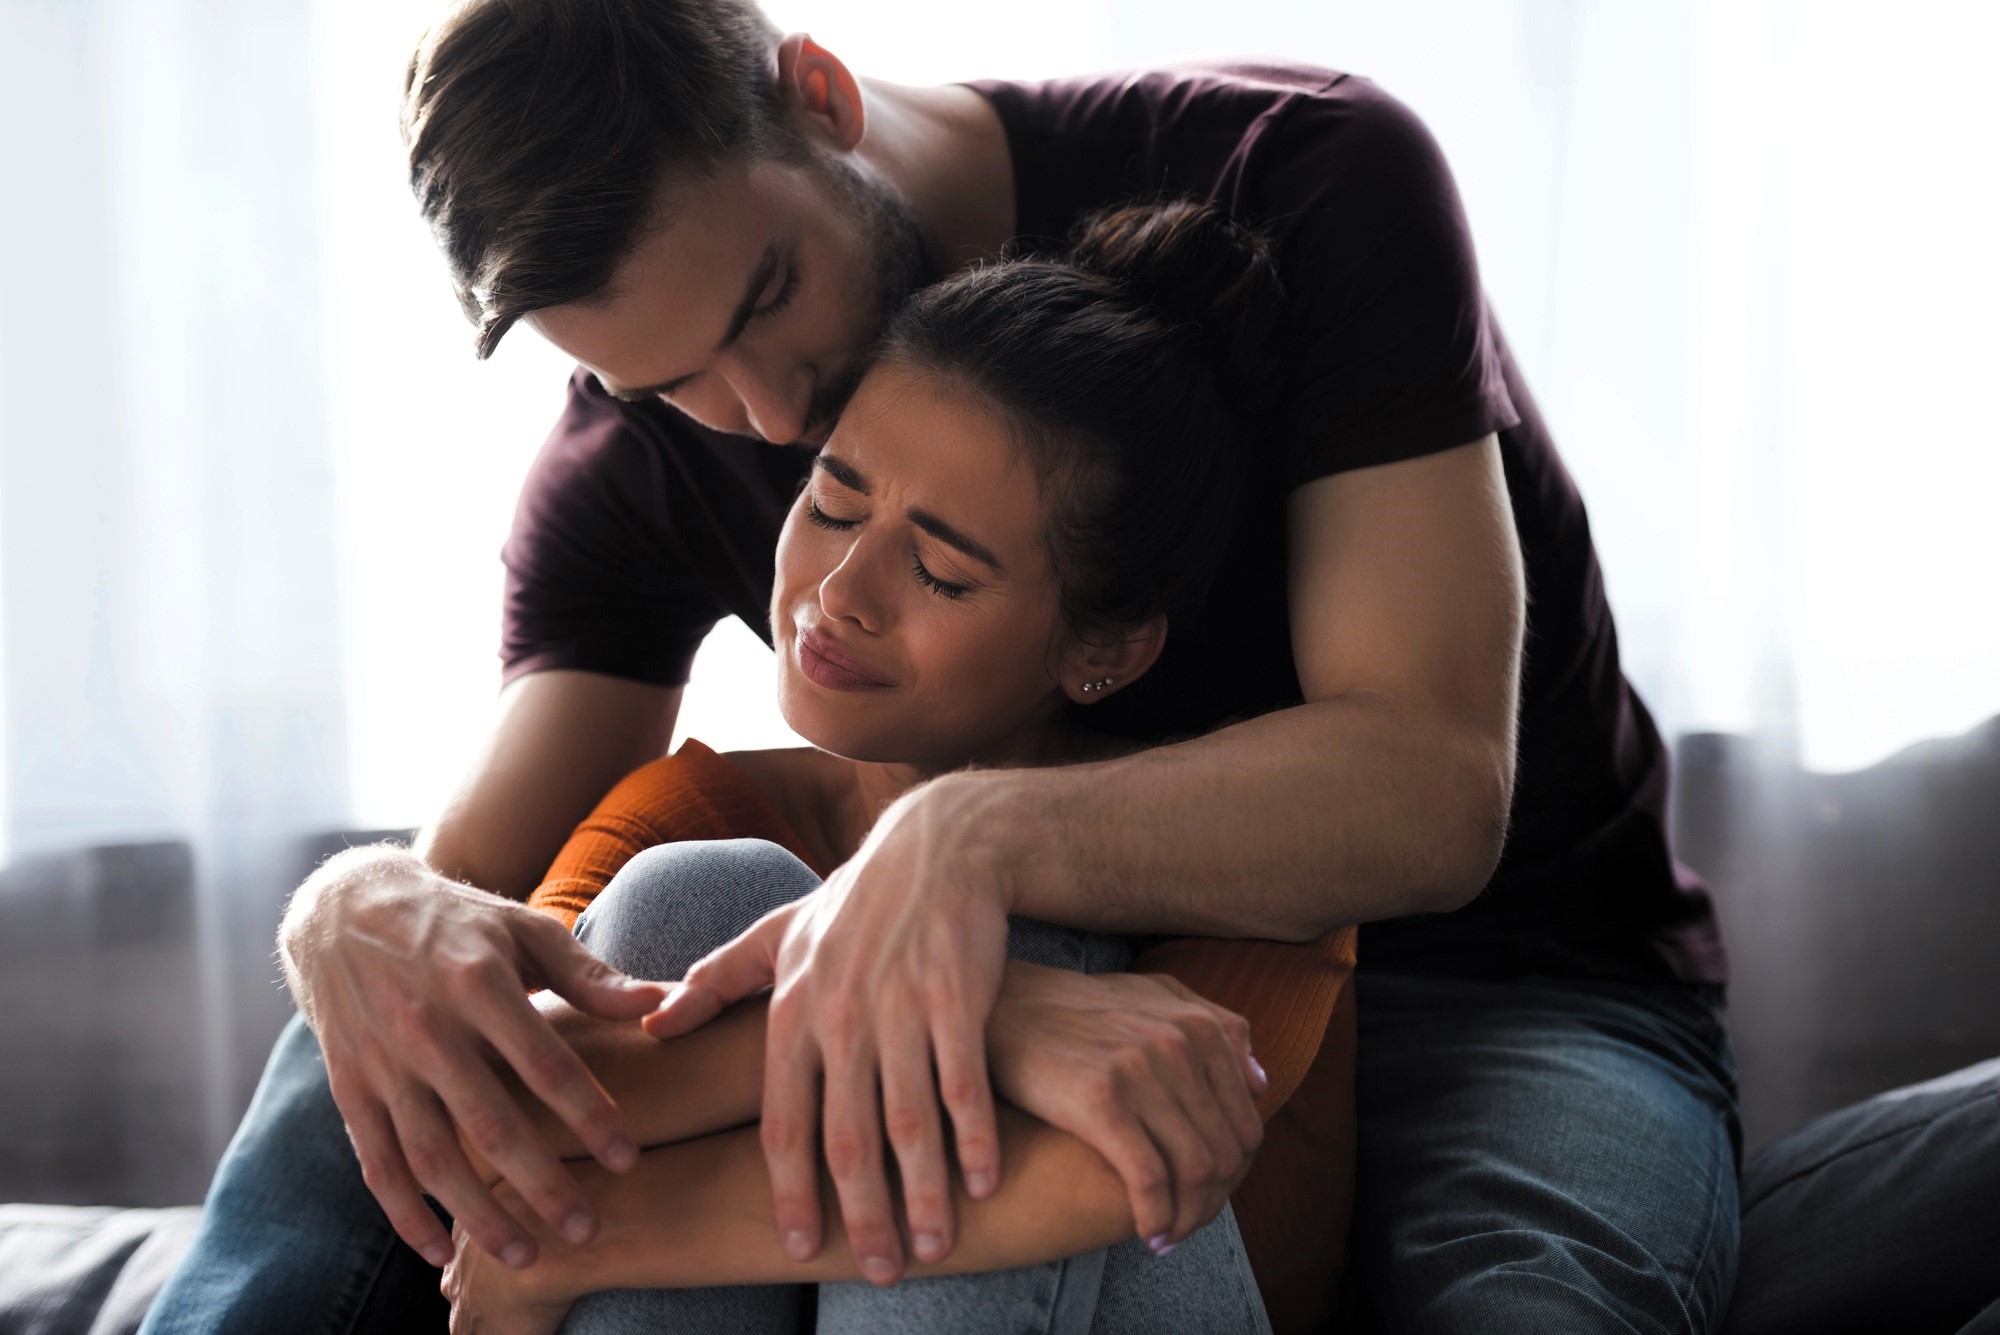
<point x="1191" y="261"/>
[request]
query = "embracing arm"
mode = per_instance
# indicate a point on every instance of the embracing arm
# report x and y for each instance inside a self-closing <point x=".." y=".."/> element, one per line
<point x="1407" y="611"/>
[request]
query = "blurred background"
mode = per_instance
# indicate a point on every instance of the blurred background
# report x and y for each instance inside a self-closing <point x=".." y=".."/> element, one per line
<point x="253" y="486"/>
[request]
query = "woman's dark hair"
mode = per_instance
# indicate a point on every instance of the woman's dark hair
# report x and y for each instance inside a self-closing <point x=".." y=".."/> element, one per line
<point x="1128" y="367"/>
<point x="539" y="132"/>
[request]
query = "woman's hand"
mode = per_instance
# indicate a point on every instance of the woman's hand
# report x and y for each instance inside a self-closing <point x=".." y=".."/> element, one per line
<point x="882" y="980"/>
<point x="1153" y="1077"/>
<point x="411" y="983"/>
<point x="488" y="1298"/>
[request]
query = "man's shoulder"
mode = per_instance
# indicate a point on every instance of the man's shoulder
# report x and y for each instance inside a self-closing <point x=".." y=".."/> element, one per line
<point x="1199" y="96"/>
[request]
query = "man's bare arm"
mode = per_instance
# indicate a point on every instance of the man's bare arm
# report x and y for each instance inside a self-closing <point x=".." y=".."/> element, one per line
<point x="561" y="740"/>
<point x="411" y="969"/>
<point x="1386" y="793"/>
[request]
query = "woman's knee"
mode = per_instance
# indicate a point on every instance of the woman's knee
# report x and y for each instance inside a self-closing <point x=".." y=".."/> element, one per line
<point x="673" y="903"/>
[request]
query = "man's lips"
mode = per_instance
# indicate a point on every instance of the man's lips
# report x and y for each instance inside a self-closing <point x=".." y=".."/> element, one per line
<point x="830" y="666"/>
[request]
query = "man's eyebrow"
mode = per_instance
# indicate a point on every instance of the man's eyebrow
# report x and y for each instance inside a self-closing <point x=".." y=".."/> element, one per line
<point x="848" y="476"/>
<point x="739" y="320"/>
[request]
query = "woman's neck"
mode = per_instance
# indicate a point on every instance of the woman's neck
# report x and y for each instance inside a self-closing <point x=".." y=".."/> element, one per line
<point x="875" y="786"/>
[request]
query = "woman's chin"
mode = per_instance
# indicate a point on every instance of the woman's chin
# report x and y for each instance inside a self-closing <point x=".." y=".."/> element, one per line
<point x="823" y="725"/>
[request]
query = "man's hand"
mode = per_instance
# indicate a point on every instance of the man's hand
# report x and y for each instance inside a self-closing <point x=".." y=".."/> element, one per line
<point x="413" y="983"/>
<point x="882" y="981"/>
<point x="1151" y="1076"/>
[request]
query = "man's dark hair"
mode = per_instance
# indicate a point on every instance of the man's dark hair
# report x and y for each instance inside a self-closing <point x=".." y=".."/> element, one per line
<point x="540" y="131"/>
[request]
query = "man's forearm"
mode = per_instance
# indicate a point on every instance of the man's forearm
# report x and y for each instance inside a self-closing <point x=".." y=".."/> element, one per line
<point x="1282" y="826"/>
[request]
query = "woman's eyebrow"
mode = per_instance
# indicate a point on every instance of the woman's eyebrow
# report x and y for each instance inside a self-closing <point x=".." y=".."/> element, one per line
<point x="847" y="475"/>
<point x="841" y="471"/>
<point x="945" y="533"/>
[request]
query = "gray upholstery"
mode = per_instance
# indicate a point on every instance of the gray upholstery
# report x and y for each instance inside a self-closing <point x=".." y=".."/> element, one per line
<point x="82" y="1270"/>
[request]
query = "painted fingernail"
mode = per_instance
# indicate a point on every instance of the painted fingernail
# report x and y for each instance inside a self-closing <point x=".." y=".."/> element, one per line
<point x="620" y="1155"/>
<point x="577" y="1227"/>
<point x="518" y="1255"/>
<point x="980" y="1184"/>
<point x="1257" y="1069"/>
<point x="878" y="1269"/>
<point x="798" y="1246"/>
<point x="1160" y="1247"/>
<point x="930" y="1246"/>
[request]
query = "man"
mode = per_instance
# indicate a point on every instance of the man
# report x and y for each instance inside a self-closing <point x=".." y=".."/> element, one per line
<point x="713" y="220"/>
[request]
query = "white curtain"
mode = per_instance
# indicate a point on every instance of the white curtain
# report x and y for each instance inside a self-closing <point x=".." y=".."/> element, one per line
<point x="253" y="483"/>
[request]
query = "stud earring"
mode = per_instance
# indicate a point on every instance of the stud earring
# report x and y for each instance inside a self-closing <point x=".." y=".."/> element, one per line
<point x="1098" y="685"/>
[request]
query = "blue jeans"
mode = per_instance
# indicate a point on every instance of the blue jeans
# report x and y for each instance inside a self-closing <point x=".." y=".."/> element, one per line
<point x="291" y="1239"/>
<point x="1542" y="1155"/>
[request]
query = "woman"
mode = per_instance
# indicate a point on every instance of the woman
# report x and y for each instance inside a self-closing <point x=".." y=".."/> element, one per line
<point x="1033" y="482"/>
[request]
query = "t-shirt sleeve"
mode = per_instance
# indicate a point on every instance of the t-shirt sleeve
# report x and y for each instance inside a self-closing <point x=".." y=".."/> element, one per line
<point x="1394" y="353"/>
<point x="599" y="578"/>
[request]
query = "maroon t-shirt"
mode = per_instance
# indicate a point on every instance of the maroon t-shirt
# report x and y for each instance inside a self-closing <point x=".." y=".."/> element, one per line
<point x="637" y="529"/>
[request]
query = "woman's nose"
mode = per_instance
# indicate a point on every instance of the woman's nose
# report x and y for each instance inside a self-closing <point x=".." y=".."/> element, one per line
<point x="852" y="591"/>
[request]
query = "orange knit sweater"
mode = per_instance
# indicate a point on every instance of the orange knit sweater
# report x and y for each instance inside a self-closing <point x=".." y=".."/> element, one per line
<point x="1294" y="1205"/>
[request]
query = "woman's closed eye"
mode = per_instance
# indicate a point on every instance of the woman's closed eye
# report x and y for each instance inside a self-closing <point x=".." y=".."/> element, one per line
<point x="820" y="517"/>
<point x="943" y="588"/>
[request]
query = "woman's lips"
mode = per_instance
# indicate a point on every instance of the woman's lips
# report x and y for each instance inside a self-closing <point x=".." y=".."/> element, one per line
<point x="827" y="666"/>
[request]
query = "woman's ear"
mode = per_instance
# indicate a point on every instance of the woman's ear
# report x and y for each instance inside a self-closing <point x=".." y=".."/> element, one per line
<point x="1093" y="670"/>
<point x="820" y="93"/>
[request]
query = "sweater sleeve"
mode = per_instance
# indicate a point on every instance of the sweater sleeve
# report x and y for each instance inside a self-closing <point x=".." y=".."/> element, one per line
<point x="692" y="794"/>
<point x="1286" y="992"/>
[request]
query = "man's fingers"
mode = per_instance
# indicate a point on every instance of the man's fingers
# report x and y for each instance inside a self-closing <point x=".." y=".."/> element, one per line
<point x="852" y="1140"/>
<point x="967" y="1090"/>
<point x="915" y="1129"/>
<point x="493" y="1124"/>
<point x="389" y="1178"/>
<point x="431" y="1149"/>
<point x="550" y="1068"/>
<point x="558" y="961"/>
<point x="791" y="1145"/>
<point x="742" y="968"/>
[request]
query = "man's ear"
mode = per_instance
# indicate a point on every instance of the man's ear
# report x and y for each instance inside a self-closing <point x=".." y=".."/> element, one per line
<point x="1095" y="669"/>
<point x="818" y="91"/>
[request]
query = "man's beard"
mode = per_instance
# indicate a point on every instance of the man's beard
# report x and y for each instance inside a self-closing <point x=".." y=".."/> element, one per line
<point x="900" y="262"/>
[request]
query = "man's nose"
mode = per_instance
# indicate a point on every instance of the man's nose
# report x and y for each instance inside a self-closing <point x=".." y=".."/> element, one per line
<point x="775" y="400"/>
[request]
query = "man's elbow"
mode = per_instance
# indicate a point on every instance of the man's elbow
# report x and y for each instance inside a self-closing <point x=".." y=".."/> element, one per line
<point x="1471" y="833"/>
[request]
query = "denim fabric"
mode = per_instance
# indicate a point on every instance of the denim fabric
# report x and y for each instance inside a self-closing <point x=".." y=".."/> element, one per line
<point x="673" y="904"/>
<point x="290" y="1238"/>
<point x="1543" y="1156"/>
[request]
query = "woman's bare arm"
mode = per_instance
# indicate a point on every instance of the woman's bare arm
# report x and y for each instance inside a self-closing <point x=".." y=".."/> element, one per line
<point x="699" y="1214"/>
<point x="666" y="1091"/>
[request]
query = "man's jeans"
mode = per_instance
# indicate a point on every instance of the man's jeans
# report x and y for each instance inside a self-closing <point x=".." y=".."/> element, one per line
<point x="1542" y="1156"/>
